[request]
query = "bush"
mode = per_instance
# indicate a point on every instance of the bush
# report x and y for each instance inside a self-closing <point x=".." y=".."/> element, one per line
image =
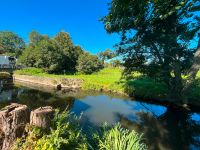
<point x="65" y="134"/>
<point x="88" y="64"/>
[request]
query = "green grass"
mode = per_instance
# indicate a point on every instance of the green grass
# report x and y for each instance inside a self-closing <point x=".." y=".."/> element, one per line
<point x="106" y="79"/>
<point x="109" y="79"/>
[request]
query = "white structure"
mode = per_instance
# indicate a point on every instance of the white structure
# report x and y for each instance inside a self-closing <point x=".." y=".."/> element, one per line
<point x="4" y="62"/>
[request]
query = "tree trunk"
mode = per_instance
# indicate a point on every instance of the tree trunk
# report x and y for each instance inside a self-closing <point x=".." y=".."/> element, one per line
<point x="196" y="64"/>
<point x="42" y="117"/>
<point x="13" y="120"/>
<point x="177" y="85"/>
<point x="194" y="68"/>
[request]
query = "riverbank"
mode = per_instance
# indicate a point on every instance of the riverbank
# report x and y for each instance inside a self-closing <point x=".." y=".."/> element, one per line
<point x="4" y="75"/>
<point x="109" y="80"/>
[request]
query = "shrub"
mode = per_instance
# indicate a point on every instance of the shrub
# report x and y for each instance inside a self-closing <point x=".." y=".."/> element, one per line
<point x="64" y="134"/>
<point x="87" y="64"/>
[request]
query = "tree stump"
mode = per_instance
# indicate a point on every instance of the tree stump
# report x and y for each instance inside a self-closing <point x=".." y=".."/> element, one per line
<point x="42" y="117"/>
<point x="13" y="120"/>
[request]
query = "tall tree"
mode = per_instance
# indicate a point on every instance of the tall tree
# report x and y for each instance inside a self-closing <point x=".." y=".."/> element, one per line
<point x="106" y="55"/>
<point x="35" y="37"/>
<point x="11" y="43"/>
<point x="70" y="51"/>
<point x="156" y="37"/>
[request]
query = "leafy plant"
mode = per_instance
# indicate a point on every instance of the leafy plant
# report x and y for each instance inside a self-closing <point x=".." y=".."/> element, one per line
<point x="118" y="138"/>
<point x="67" y="134"/>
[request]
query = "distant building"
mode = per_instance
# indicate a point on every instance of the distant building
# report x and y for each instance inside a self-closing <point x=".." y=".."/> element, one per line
<point x="6" y="62"/>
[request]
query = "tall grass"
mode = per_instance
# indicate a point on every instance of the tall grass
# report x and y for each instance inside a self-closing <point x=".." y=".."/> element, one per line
<point x="118" y="138"/>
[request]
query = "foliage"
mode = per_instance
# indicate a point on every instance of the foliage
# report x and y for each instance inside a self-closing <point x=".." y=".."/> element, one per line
<point x="118" y="138"/>
<point x="35" y="37"/>
<point x="145" y="87"/>
<point x="11" y="43"/>
<point x="156" y="37"/>
<point x="116" y="63"/>
<point x="46" y="54"/>
<point x="55" y="55"/>
<point x="193" y="91"/>
<point x="106" y="55"/>
<point x="87" y="64"/>
<point x="71" y="52"/>
<point x="67" y="134"/>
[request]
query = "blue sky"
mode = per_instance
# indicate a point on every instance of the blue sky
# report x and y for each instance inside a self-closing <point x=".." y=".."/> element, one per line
<point x="78" y="17"/>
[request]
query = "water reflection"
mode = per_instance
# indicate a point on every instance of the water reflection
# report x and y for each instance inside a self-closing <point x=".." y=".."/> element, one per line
<point x="163" y="128"/>
<point x="172" y="130"/>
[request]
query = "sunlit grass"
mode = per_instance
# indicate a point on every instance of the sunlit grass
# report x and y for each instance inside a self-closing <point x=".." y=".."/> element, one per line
<point x="109" y="80"/>
<point x="106" y="79"/>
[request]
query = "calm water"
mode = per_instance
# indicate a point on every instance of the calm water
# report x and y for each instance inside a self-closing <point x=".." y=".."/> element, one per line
<point x="164" y="128"/>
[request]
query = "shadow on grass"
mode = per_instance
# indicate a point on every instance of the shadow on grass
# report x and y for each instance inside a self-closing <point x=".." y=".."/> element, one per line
<point x="144" y="87"/>
<point x="193" y="93"/>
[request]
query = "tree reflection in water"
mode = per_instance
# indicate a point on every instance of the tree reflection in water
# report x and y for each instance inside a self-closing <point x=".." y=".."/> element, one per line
<point x="173" y="130"/>
<point x="163" y="128"/>
<point x="32" y="98"/>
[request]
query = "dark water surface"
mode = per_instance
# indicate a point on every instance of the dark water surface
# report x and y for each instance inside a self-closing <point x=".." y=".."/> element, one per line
<point x="164" y="128"/>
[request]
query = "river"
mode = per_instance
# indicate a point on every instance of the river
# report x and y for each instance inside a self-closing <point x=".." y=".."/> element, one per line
<point x="164" y="128"/>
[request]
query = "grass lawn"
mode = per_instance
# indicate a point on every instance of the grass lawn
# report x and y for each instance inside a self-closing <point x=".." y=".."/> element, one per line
<point x="109" y="79"/>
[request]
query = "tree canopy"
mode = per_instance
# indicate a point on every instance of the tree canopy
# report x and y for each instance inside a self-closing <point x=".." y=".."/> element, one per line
<point x="106" y="55"/>
<point x="158" y="37"/>
<point x="87" y="63"/>
<point x="54" y="55"/>
<point x="11" y="43"/>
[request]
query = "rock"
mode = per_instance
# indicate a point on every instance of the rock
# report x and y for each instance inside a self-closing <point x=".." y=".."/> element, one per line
<point x="13" y="120"/>
<point x="59" y="87"/>
<point x="42" y="117"/>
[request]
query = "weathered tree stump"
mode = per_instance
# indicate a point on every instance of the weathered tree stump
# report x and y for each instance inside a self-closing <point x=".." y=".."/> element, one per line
<point x="42" y="117"/>
<point x="13" y="120"/>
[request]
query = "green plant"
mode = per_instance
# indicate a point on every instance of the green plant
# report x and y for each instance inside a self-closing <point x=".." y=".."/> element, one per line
<point x="88" y="64"/>
<point x="118" y="138"/>
<point x="67" y="134"/>
<point x="64" y="134"/>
